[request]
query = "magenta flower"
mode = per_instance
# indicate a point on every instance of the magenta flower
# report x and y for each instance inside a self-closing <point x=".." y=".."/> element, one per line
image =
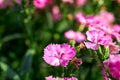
<point x="91" y="45"/>
<point x="77" y="36"/>
<point x="116" y="32"/>
<point x="114" y="49"/>
<point x="2" y="4"/>
<point x="98" y="37"/>
<point x="107" y="16"/>
<point x="5" y="3"/>
<point x="113" y="65"/>
<point x="104" y="75"/>
<point x="116" y="35"/>
<point x="57" y="78"/>
<point x="59" y="54"/>
<point x="80" y="18"/>
<point x="68" y="1"/>
<point x="72" y="78"/>
<point x="52" y="78"/>
<point x="18" y="2"/>
<point x="70" y="34"/>
<point x="80" y="3"/>
<point x="56" y="15"/>
<point x="116" y="28"/>
<point x="41" y="3"/>
<point x="90" y="21"/>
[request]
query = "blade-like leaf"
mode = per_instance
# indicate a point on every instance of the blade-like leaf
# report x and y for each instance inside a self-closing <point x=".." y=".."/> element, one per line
<point x="10" y="73"/>
<point x="27" y="62"/>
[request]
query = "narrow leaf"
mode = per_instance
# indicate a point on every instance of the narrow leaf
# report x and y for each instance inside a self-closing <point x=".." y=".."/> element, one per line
<point x="10" y="73"/>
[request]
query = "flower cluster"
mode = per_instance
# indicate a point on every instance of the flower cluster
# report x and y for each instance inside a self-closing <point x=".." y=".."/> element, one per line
<point x="86" y="30"/>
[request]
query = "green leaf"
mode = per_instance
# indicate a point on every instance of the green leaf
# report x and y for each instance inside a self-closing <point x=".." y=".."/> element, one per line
<point x="62" y="26"/>
<point x="49" y="19"/>
<point x="27" y="62"/>
<point x="10" y="73"/>
<point x="12" y="37"/>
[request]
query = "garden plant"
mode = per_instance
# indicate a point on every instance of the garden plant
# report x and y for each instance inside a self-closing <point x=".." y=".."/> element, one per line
<point x="59" y="39"/>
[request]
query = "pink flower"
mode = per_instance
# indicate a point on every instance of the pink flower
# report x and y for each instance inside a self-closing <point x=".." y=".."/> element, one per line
<point x="114" y="49"/>
<point x="57" y="78"/>
<point x="70" y="34"/>
<point x="80" y="3"/>
<point x="116" y="35"/>
<point x="113" y="65"/>
<point x="41" y="3"/>
<point x="5" y="3"/>
<point x="56" y="15"/>
<point x="77" y="36"/>
<point x="18" y="2"/>
<point x="72" y="78"/>
<point x="108" y="16"/>
<point x="52" y="78"/>
<point x="87" y="20"/>
<point x="116" y="28"/>
<point x="91" y="45"/>
<point x="2" y="4"/>
<point x="59" y="54"/>
<point x="80" y="18"/>
<point x="98" y="37"/>
<point x="105" y="17"/>
<point x="118" y="1"/>
<point x="68" y="1"/>
<point x="116" y="32"/>
<point x="104" y="74"/>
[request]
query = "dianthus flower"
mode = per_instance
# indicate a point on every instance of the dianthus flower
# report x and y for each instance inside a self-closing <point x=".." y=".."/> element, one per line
<point x="80" y="3"/>
<point x="116" y="28"/>
<point x="77" y="36"/>
<point x="18" y="2"/>
<point x="91" y="45"/>
<point x="98" y="37"/>
<point x="107" y="16"/>
<point x="5" y="3"/>
<point x="116" y="32"/>
<point x="59" y="54"/>
<point x="113" y="48"/>
<point x="56" y="15"/>
<point x="104" y="75"/>
<point x="112" y="64"/>
<point x="81" y="18"/>
<point x="2" y="4"/>
<point x="68" y="1"/>
<point x="118" y="1"/>
<point x="41" y="3"/>
<point x="57" y="78"/>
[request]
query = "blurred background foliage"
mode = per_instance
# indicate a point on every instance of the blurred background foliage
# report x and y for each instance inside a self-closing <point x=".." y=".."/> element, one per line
<point x="25" y="31"/>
